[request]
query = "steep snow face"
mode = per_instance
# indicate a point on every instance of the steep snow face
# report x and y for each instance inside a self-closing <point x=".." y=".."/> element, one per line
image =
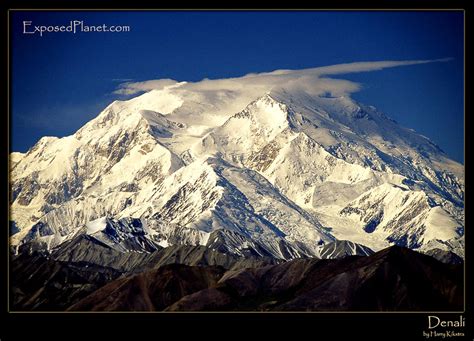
<point x="247" y="131"/>
<point x="217" y="196"/>
<point x="299" y="164"/>
<point x="281" y="174"/>
<point x="99" y="170"/>
<point x="440" y="225"/>
<point x="402" y="216"/>
<point x="362" y="135"/>
<point x="15" y="157"/>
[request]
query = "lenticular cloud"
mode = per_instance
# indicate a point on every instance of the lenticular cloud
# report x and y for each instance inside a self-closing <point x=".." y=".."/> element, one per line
<point x="311" y="80"/>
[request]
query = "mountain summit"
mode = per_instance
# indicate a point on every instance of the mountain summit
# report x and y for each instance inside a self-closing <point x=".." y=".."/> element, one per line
<point x="277" y="172"/>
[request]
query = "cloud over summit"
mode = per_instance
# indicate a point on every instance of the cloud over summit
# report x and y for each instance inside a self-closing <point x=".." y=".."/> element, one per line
<point x="314" y="81"/>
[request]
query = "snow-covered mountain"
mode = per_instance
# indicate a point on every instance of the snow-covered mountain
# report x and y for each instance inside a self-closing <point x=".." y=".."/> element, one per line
<point x="276" y="172"/>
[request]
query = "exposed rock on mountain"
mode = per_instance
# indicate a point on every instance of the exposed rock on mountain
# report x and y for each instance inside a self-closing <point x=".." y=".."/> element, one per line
<point x="392" y="279"/>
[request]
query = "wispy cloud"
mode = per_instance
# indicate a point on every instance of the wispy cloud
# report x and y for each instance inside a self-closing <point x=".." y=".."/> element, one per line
<point x="121" y="80"/>
<point x="311" y="80"/>
<point x="357" y="67"/>
<point x="131" y="88"/>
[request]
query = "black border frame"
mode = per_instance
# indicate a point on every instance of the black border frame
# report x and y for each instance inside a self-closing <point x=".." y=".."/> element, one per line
<point x="320" y="326"/>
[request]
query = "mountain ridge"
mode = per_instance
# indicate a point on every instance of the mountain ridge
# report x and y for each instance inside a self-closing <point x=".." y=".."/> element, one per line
<point x="266" y="172"/>
<point x="349" y="284"/>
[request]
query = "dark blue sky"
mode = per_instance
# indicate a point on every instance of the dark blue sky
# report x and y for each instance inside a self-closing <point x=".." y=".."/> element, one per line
<point x="60" y="81"/>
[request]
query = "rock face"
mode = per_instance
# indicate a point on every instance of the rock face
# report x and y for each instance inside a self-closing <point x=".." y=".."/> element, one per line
<point x="84" y="249"/>
<point x="447" y="257"/>
<point x="152" y="290"/>
<point x="54" y="281"/>
<point x="278" y="175"/>
<point x="392" y="279"/>
<point x="41" y="283"/>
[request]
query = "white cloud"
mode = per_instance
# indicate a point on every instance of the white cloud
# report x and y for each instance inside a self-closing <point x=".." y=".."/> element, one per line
<point x="356" y="67"/>
<point x="309" y="80"/>
<point x="131" y="88"/>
